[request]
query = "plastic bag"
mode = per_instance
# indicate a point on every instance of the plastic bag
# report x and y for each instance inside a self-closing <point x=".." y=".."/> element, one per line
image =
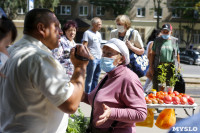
<point x="166" y="119"/>
<point x="149" y="121"/>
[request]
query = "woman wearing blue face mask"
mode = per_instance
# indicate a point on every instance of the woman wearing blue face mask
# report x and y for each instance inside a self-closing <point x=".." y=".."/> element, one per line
<point x="113" y="107"/>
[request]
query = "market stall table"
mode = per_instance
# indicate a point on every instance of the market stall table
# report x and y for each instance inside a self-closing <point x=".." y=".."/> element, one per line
<point x="186" y="106"/>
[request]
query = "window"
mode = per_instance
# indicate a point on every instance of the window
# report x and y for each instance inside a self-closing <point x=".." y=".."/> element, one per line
<point x="140" y="12"/>
<point x="196" y="36"/>
<point x="100" y="10"/>
<point x="160" y="13"/>
<point x="176" y="13"/>
<point x="20" y="11"/>
<point x="83" y="11"/>
<point x="141" y="32"/>
<point x="178" y="34"/>
<point x="64" y="10"/>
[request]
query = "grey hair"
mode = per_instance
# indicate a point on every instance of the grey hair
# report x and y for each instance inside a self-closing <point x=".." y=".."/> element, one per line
<point x="95" y="20"/>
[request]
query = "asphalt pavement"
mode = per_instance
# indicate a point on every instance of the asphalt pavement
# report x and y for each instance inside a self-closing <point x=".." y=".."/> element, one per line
<point x="192" y="89"/>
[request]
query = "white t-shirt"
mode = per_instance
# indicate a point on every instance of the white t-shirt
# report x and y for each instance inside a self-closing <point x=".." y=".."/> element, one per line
<point x="94" y="42"/>
<point x="33" y="89"/>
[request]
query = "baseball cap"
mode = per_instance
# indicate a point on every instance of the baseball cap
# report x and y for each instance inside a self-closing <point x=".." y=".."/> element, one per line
<point x="167" y="27"/>
<point x="120" y="47"/>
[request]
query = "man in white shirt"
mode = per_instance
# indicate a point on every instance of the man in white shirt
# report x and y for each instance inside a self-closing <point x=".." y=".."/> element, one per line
<point x="92" y="40"/>
<point x="34" y="95"/>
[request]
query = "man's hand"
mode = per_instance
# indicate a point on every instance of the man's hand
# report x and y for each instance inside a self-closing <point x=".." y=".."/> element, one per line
<point x="104" y="117"/>
<point x="76" y="62"/>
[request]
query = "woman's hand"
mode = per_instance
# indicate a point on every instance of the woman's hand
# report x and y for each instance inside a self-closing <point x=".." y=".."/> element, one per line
<point x="128" y="44"/>
<point x="104" y="117"/>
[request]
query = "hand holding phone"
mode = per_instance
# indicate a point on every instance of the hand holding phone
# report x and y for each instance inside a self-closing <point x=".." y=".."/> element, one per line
<point x="82" y="53"/>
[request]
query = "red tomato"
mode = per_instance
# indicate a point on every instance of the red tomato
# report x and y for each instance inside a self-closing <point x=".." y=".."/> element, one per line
<point x="160" y="101"/>
<point x="154" y="101"/>
<point x="167" y="99"/>
<point x="161" y="92"/>
<point x="176" y="100"/>
<point x="179" y="96"/>
<point x="183" y="100"/>
<point x="190" y="100"/>
<point x="165" y="93"/>
<point x="148" y="101"/>
<point x="151" y="95"/>
<point x="176" y="93"/>
<point x="185" y="95"/>
<point x="158" y="93"/>
<point x="172" y="95"/>
<point x="161" y="97"/>
<point x="170" y="92"/>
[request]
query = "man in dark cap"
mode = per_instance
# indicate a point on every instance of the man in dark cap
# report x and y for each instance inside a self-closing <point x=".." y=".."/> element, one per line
<point x="165" y="50"/>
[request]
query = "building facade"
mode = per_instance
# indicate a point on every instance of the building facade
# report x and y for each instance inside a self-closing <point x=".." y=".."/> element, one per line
<point x="142" y="15"/>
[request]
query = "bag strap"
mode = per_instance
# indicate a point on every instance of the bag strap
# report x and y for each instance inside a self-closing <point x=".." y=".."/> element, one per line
<point x="91" y="116"/>
<point x="131" y="33"/>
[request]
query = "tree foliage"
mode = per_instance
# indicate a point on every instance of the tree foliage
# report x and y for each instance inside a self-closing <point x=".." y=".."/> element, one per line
<point x="118" y="6"/>
<point x="11" y="6"/>
<point x="189" y="14"/>
<point x="157" y="8"/>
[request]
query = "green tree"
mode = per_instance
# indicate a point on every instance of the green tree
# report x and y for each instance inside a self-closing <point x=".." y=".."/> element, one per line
<point x="11" y="6"/>
<point x="157" y="8"/>
<point x="189" y="14"/>
<point x="118" y="6"/>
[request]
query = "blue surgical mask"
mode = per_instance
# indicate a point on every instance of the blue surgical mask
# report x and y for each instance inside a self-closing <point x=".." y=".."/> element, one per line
<point x="165" y="36"/>
<point x="107" y="64"/>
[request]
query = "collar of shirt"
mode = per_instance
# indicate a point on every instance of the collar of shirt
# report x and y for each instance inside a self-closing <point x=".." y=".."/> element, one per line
<point x="36" y="42"/>
<point x="116" y="71"/>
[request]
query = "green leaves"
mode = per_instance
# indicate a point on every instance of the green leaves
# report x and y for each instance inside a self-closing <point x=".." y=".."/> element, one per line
<point x="77" y="123"/>
<point x="163" y="73"/>
<point x="174" y="78"/>
<point x="162" y="76"/>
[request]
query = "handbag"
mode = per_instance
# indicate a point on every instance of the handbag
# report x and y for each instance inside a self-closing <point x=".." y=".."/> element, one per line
<point x="91" y="128"/>
<point x="180" y="84"/>
<point x="138" y="63"/>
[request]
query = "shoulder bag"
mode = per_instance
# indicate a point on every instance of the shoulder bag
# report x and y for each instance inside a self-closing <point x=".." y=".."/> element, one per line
<point x="138" y="63"/>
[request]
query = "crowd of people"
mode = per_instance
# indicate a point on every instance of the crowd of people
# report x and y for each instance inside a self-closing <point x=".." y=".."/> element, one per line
<point x="42" y="81"/>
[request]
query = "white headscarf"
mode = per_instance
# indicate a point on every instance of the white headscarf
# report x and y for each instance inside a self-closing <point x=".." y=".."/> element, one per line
<point x="120" y="47"/>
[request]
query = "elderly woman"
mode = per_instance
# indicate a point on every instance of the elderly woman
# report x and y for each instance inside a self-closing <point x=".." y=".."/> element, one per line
<point x="8" y="34"/>
<point x="123" y="32"/>
<point x="66" y="43"/>
<point x="118" y="100"/>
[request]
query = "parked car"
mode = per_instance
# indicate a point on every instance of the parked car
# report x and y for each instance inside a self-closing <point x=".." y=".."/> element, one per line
<point x="190" y="56"/>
